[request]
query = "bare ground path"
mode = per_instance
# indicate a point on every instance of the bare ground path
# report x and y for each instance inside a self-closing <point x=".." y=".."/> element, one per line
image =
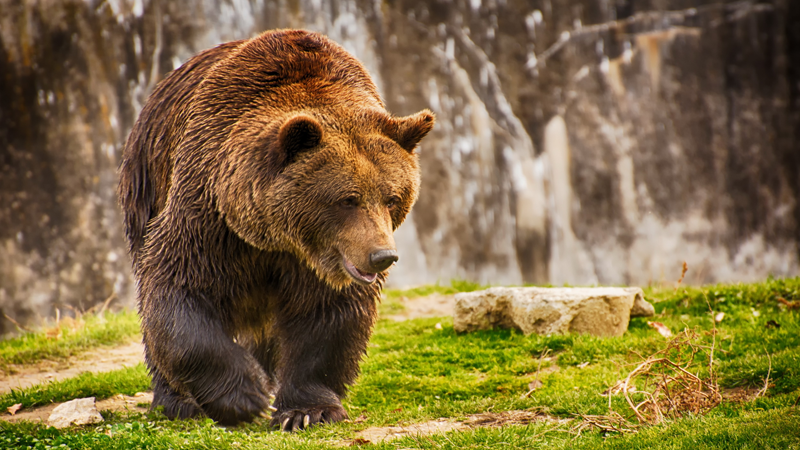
<point x="434" y="305"/>
<point x="139" y="403"/>
<point x="97" y="360"/>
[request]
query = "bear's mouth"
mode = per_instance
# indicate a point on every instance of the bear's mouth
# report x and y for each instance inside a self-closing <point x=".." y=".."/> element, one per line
<point x="361" y="277"/>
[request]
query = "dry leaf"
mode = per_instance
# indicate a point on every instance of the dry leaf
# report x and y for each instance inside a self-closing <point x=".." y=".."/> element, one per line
<point x="359" y="441"/>
<point x="661" y="328"/>
<point x="718" y="318"/>
<point x="583" y="364"/>
<point x="14" y="408"/>
<point x="789" y="304"/>
<point x="535" y="384"/>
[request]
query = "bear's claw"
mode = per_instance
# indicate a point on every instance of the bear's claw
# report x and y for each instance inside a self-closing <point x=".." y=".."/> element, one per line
<point x="302" y="419"/>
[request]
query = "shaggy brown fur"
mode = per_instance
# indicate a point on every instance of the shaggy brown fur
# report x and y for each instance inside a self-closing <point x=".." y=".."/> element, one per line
<point x="261" y="186"/>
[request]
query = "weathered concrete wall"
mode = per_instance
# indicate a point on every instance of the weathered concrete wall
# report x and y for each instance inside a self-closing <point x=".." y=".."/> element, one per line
<point x="581" y="141"/>
<point x="602" y="142"/>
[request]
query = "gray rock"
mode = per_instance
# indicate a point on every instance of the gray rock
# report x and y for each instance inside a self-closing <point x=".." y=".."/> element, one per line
<point x="603" y="311"/>
<point x="81" y="411"/>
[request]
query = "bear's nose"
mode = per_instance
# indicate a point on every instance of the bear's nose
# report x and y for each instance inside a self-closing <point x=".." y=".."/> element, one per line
<point x="382" y="259"/>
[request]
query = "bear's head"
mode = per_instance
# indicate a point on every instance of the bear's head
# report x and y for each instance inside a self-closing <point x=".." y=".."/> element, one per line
<point x="310" y="162"/>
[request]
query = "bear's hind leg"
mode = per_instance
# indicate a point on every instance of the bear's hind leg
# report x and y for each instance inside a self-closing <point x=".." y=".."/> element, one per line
<point x="176" y="405"/>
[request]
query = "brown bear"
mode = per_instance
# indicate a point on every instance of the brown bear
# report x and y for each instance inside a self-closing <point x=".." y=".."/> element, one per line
<point x="260" y="187"/>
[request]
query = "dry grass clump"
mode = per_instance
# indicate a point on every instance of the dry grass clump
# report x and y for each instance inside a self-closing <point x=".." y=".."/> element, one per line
<point x="665" y="385"/>
<point x="669" y="386"/>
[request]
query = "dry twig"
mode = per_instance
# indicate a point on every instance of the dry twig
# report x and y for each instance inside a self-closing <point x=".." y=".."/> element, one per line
<point x="103" y="306"/>
<point x="535" y="384"/>
<point x="610" y="423"/>
<point x="19" y="326"/>
<point x="766" y="380"/>
<point x="794" y="304"/>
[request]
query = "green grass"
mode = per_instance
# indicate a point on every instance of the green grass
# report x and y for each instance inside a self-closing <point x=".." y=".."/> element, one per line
<point x="415" y="371"/>
<point x="69" y="338"/>
<point x="775" y="429"/>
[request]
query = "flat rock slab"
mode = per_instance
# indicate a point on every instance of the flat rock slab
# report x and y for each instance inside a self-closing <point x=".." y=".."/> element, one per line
<point x="81" y="411"/>
<point x="602" y="311"/>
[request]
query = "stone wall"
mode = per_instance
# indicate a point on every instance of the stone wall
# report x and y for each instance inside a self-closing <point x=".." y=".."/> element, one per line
<point x="580" y="141"/>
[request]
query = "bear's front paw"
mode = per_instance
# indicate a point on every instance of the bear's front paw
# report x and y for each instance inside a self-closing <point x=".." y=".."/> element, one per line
<point x="242" y="404"/>
<point x="303" y="418"/>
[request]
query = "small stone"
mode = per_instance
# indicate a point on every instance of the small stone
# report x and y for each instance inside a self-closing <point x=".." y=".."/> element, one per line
<point x="641" y="307"/>
<point x="81" y="411"/>
<point x="597" y="311"/>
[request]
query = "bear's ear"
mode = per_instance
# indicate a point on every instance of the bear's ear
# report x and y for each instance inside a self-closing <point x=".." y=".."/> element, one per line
<point x="408" y="131"/>
<point x="298" y="134"/>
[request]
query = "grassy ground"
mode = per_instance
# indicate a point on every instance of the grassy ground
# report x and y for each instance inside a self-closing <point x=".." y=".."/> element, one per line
<point x="421" y="370"/>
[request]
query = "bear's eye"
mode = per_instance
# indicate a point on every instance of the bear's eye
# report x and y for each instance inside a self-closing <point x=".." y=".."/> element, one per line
<point x="392" y="202"/>
<point x="349" y="202"/>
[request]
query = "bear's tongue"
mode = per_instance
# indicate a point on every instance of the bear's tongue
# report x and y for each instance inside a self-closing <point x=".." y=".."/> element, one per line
<point x="364" y="277"/>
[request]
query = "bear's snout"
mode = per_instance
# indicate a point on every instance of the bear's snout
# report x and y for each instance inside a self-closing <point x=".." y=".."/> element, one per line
<point x="380" y="260"/>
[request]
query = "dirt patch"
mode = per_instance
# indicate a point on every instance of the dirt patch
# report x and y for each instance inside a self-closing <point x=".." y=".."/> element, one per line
<point x="98" y="360"/>
<point x="117" y="403"/>
<point x="740" y="394"/>
<point x="488" y="419"/>
<point x="524" y="417"/>
<point x="380" y="434"/>
<point x="434" y="305"/>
